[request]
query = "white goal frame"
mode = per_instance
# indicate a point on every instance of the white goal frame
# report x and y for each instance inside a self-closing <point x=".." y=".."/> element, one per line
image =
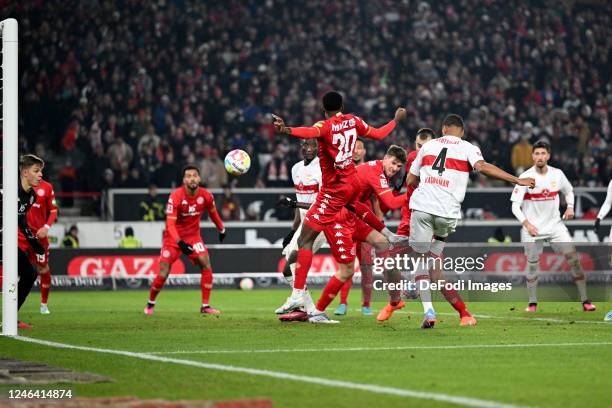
<point x="10" y="173"/>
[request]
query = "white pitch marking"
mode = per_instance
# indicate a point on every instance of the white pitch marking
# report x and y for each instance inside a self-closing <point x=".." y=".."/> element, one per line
<point x="398" y="348"/>
<point x="377" y="389"/>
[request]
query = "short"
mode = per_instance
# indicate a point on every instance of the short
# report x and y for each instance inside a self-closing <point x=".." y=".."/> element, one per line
<point x="40" y="260"/>
<point x="293" y="245"/>
<point x="330" y="200"/>
<point x="339" y="236"/>
<point x="423" y="227"/>
<point x="170" y="251"/>
<point x="559" y="238"/>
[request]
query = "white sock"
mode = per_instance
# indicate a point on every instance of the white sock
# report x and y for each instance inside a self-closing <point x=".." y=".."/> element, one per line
<point x="297" y="293"/>
<point x="289" y="280"/>
<point x="309" y="305"/>
<point x="423" y="283"/>
<point x="579" y="278"/>
<point x="532" y="281"/>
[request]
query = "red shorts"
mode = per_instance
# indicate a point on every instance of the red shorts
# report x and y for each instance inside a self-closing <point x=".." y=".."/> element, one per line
<point x="170" y="250"/>
<point x="40" y="260"/>
<point x="339" y="236"/>
<point x="330" y="200"/>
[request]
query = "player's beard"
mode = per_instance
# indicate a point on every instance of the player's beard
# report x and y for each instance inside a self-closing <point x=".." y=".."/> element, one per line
<point x="192" y="188"/>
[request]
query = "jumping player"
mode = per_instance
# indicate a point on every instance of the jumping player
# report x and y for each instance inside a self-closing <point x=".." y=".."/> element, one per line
<point x="538" y="212"/>
<point x="41" y="216"/>
<point x="185" y="207"/>
<point x="441" y="172"/>
<point x="337" y="136"/>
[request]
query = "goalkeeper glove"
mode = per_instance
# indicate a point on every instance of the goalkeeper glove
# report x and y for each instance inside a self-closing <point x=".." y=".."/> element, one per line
<point x="185" y="247"/>
<point x="36" y="246"/>
<point x="222" y="235"/>
<point x="286" y="202"/>
<point x="288" y="238"/>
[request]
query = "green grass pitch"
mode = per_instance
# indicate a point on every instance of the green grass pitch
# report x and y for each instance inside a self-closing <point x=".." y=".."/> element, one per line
<point x="448" y="360"/>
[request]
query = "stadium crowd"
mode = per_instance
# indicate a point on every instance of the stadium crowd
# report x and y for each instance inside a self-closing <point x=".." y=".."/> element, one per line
<point x="123" y="93"/>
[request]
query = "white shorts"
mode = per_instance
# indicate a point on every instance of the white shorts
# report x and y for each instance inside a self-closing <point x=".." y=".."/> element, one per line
<point x="293" y="245"/>
<point x="559" y="238"/>
<point x="424" y="226"/>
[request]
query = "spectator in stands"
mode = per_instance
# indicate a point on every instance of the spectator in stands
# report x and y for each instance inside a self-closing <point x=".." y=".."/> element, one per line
<point x="230" y="205"/>
<point x="212" y="168"/>
<point x="521" y="155"/>
<point x="119" y="153"/>
<point x="276" y="172"/>
<point x="129" y="241"/>
<point x="152" y="208"/>
<point x="71" y="239"/>
<point x="167" y="175"/>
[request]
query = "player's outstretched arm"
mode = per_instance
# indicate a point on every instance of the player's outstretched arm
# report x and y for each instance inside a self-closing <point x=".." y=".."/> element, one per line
<point x="311" y="132"/>
<point x="493" y="171"/>
<point x="382" y="132"/>
<point x="392" y="201"/>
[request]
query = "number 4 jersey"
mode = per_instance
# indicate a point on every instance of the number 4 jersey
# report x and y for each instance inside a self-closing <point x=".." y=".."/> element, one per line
<point x="443" y="166"/>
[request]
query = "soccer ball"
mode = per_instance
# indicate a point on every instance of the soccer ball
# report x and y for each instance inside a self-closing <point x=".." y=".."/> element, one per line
<point x="247" y="284"/>
<point x="237" y="162"/>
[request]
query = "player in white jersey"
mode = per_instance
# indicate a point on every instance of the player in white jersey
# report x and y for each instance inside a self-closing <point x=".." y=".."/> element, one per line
<point x="538" y="211"/>
<point x="306" y="176"/>
<point x="605" y="209"/>
<point x="441" y="172"/>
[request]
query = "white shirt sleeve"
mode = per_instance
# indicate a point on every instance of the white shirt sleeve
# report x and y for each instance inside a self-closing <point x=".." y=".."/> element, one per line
<point x="605" y="208"/>
<point x="473" y="153"/>
<point x="567" y="190"/>
<point x="518" y="213"/>
<point x="415" y="168"/>
<point x="518" y="194"/>
<point x="294" y="172"/>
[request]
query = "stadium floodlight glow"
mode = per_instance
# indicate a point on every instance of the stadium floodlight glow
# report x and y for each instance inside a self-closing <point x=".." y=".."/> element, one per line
<point x="8" y="31"/>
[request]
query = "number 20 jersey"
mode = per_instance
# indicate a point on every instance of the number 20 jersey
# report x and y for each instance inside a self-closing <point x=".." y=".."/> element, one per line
<point x="337" y="137"/>
<point x="443" y="166"/>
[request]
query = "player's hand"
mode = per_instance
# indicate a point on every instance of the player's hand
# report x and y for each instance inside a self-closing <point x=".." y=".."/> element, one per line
<point x="222" y="235"/>
<point x="533" y="231"/>
<point x="596" y="226"/>
<point x="569" y="214"/>
<point x="185" y="247"/>
<point x="43" y="232"/>
<point x="279" y="124"/>
<point x="36" y="246"/>
<point x="527" y="181"/>
<point x="400" y="114"/>
<point x="285" y="201"/>
<point x="288" y="239"/>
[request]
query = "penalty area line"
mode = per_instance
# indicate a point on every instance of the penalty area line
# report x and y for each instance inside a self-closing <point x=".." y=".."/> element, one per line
<point x="377" y="389"/>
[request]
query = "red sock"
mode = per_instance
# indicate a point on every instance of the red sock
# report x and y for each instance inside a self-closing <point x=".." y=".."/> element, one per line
<point x="363" y="212"/>
<point x="344" y="292"/>
<point x="206" y="285"/>
<point x="302" y="266"/>
<point x="452" y="297"/>
<point x="329" y="293"/>
<point x="366" y="286"/>
<point x="45" y="285"/>
<point x="157" y="285"/>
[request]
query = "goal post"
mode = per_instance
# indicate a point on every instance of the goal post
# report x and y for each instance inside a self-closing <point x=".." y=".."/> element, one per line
<point x="10" y="174"/>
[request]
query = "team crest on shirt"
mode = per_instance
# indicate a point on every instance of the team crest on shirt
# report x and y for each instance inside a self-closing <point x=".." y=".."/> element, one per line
<point x="200" y="200"/>
<point x="383" y="181"/>
<point x="553" y="185"/>
<point x="165" y="253"/>
<point x="40" y="192"/>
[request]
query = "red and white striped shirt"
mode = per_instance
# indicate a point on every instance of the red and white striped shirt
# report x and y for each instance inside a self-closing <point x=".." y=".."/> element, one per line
<point x="306" y="181"/>
<point x="540" y="205"/>
<point x="443" y="166"/>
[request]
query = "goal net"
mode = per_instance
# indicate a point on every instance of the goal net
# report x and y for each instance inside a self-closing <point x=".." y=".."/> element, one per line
<point x="8" y="168"/>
